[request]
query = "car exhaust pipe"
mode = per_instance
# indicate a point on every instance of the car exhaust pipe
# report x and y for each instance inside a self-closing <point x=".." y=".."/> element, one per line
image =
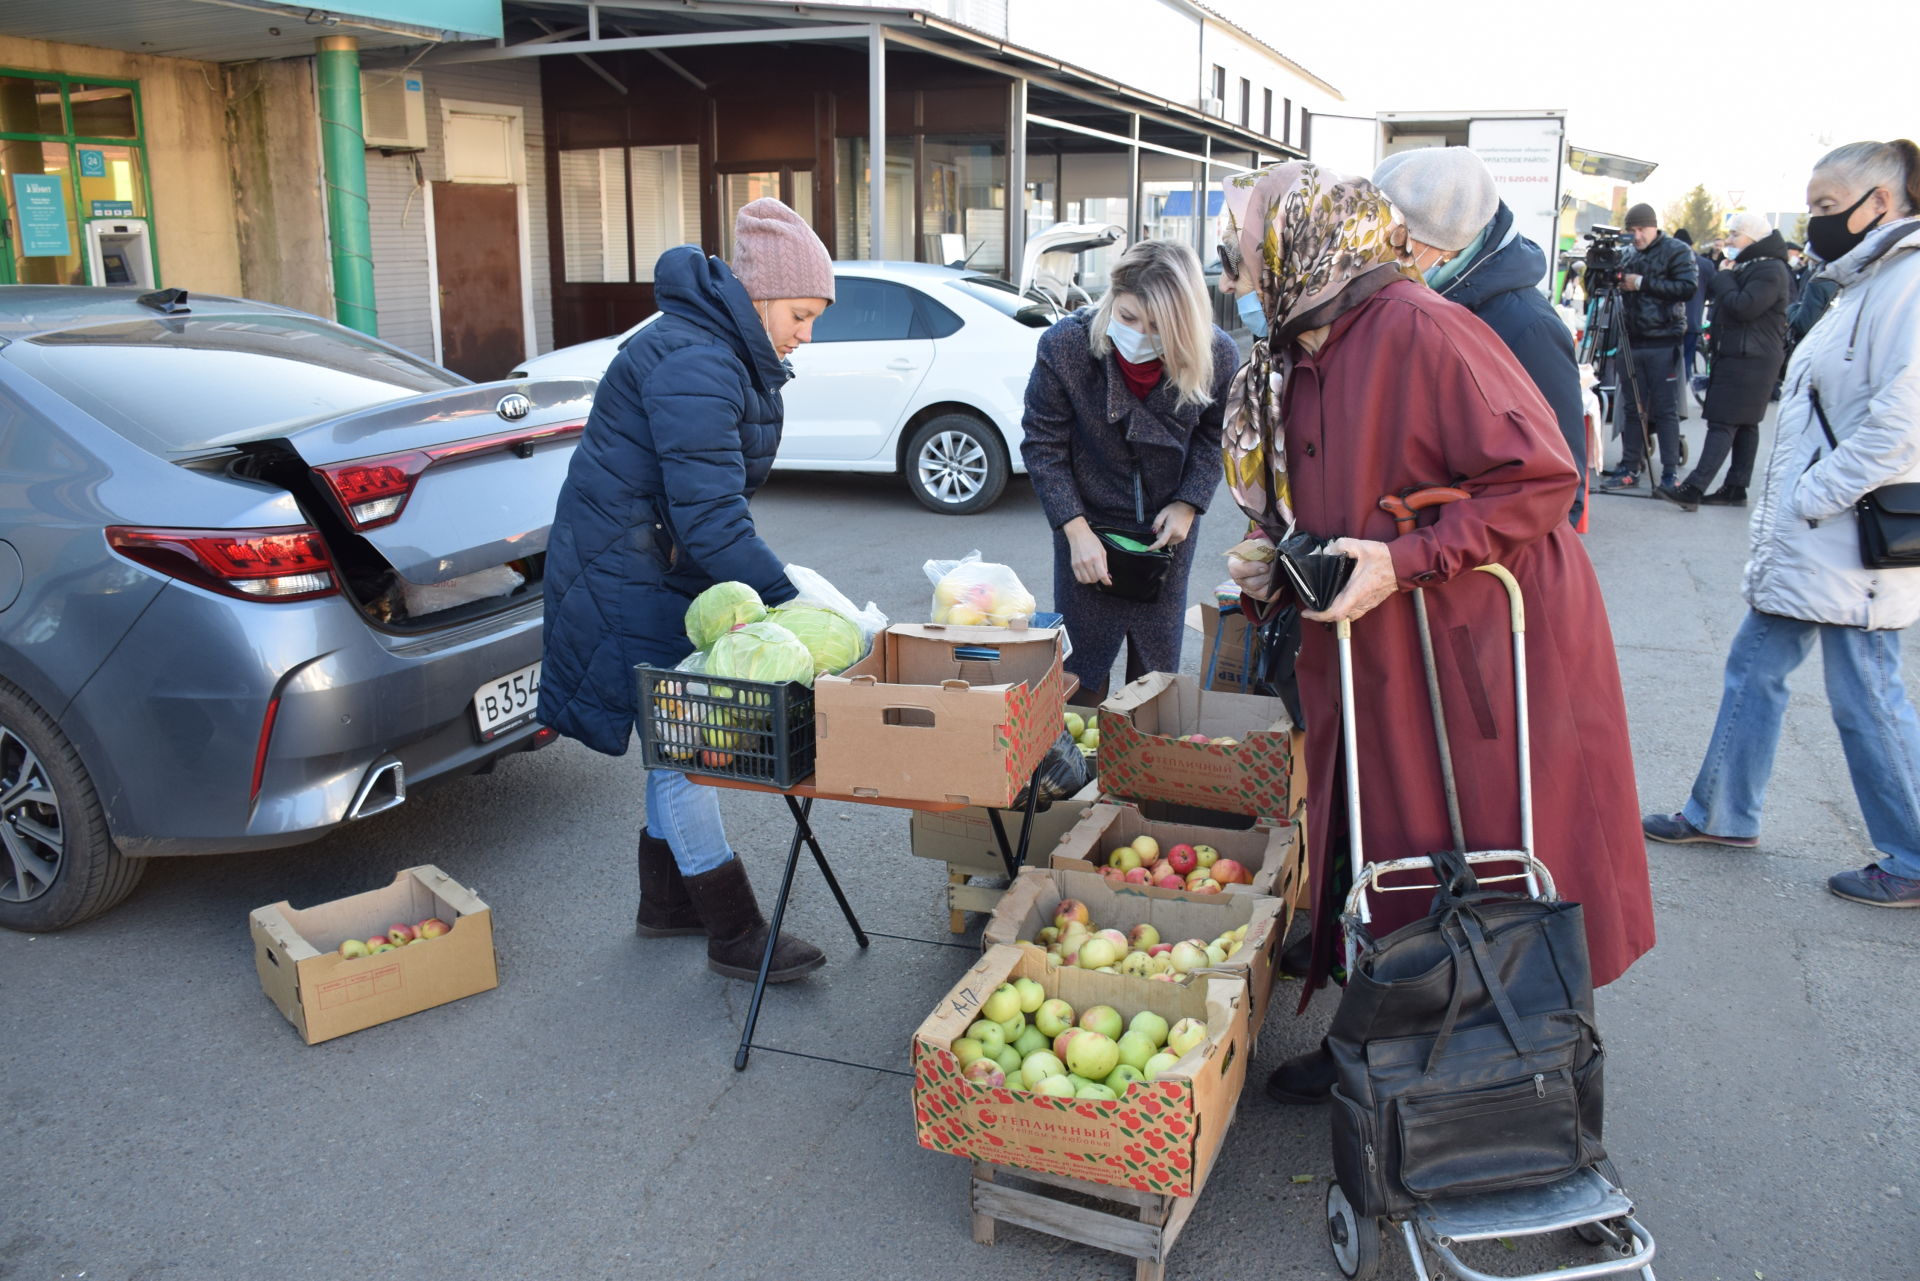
<point x="384" y="787"/>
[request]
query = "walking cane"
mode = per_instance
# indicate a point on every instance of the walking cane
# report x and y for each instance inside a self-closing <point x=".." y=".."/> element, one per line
<point x="1402" y="507"/>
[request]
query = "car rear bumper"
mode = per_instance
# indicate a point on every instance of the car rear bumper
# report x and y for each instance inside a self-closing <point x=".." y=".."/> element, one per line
<point x="172" y="722"/>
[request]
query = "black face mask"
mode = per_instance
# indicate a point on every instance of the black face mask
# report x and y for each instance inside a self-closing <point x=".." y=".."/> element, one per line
<point x="1828" y="237"/>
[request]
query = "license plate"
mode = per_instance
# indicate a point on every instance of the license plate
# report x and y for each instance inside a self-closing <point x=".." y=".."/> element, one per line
<point x="503" y="704"/>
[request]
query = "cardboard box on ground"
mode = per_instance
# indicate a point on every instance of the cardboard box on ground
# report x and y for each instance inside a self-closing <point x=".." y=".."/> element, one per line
<point x="939" y="713"/>
<point x="1161" y="1136"/>
<point x="324" y="994"/>
<point x="1226" y="647"/>
<point x="1143" y="759"/>
<point x="1036" y="894"/>
<point x="963" y="838"/>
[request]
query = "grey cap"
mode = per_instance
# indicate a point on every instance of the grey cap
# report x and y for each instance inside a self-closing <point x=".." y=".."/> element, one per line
<point x="1445" y="194"/>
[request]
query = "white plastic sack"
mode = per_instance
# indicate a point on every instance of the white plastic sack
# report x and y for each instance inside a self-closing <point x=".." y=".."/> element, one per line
<point x="814" y="589"/>
<point x="971" y="592"/>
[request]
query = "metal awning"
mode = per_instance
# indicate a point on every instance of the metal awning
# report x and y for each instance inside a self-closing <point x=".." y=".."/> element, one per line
<point x="242" y="30"/>
<point x="1604" y="164"/>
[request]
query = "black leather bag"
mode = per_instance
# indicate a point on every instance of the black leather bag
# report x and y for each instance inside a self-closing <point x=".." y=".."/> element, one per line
<point x="1466" y="1053"/>
<point x="1137" y="574"/>
<point x="1889" y="517"/>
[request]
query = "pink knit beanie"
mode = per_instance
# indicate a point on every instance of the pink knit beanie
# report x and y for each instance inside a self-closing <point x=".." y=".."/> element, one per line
<point x="776" y="254"/>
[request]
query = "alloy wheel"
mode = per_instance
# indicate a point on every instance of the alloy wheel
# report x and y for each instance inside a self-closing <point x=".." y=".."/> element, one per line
<point x="952" y="466"/>
<point x="30" y="828"/>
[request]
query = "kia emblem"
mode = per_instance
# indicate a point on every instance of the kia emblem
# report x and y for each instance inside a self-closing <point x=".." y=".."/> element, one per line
<point x="513" y="407"/>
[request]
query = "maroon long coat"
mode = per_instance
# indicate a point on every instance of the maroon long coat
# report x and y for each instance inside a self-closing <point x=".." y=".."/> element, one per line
<point x="1411" y="390"/>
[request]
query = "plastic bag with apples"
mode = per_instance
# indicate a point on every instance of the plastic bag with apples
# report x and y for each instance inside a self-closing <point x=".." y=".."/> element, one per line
<point x="971" y="592"/>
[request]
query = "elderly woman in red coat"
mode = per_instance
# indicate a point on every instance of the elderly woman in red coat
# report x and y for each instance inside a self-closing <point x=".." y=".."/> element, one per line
<point x="1368" y="383"/>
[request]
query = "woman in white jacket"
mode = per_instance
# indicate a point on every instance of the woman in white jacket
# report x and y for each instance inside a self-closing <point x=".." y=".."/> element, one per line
<point x="1804" y="580"/>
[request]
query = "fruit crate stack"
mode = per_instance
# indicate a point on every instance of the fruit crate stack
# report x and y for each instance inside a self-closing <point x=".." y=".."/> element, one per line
<point x="760" y="731"/>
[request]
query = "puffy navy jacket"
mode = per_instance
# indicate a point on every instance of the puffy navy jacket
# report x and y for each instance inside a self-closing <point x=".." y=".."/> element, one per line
<point x="1500" y="287"/>
<point x="684" y="428"/>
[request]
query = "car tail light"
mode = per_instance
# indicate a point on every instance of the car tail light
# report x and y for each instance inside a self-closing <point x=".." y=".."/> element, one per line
<point x="260" y="752"/>
<point x="373" y="491"/>
<point x="284" y="564"/>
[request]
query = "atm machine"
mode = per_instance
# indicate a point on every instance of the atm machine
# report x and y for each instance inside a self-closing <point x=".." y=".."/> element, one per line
<point x="120" y="253"/>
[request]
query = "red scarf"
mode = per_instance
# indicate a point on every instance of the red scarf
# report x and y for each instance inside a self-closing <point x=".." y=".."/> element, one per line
<point x="1141" y="378"/>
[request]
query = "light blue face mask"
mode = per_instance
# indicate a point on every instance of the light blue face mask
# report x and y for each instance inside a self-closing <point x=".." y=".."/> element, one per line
<point x="1252" y="314"/>
<point x="1134" y="346"/>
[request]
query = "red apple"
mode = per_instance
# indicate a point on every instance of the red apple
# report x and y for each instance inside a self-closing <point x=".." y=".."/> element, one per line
<point x="1138" y="876"/>
<point x="377" y="942"/>
<point x="1113" y="874"/>
<point x="1158" y="948"/>
<point x="1230" y="872"/>
<point x="1170" y="882"/>
<point x="399" y="935"/>
<point x="1181" y="859"/>
<point x="1071" y="909"/>
<point x="431" y="928"/>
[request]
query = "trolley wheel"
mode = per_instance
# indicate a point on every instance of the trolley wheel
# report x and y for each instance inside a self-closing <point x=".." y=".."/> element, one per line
<point x="1355" y="1243"/>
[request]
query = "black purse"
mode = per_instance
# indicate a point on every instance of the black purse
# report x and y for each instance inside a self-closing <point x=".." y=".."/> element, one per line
<point x="1137" y="571"/>
<point x="1889" y="517"/>
<point x="1466" y="1053"/>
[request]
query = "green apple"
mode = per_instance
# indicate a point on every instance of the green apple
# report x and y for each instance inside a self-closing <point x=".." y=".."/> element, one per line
<point x="1125" y="859"/>
<point x="1103" y="1019"/>
<point x="1095" y="1091"/>
<point x="1188" y="957"/>
<point x="1097" y="951"/>
<point x="1038" y="1066"/>
<point x="1150" y="1023"/>
<point x="1029" y="1040"/>
<point x="1076" y="724"/>
<point x="1058" y="1086"/>
<point x="1002" y="1004"/>
<point x="1143" y="936"/>
<point x="1014" y="1026"/>
<point x="990" y="1035"/>
<point x="1148" y="847"/>
<point x="1079" y="1082"/>
<point x="1091" y="739"/>
<point x="1183" y="1036"/>
<point x="1009" y="1061"/>
<point x="1031" y="994"/>
<point x="1161" y="1062"/>
<point x="1053" y="1017"/>
<point x="1123" y="1076"/>
<point x="355" y="947"/>
<point x="1216" y="955"/>
<point x="966" y="1049"/>
<point x="1205" y="855"/>
<point x="1093" y="1055"/>
<point x="1136" y="1048"/>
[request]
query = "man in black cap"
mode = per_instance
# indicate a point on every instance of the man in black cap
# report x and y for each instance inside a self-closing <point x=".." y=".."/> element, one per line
<point x="1658" y="278"/>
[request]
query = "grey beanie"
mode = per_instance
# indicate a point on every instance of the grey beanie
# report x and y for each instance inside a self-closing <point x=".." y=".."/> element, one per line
<point x="1445" y="194"/>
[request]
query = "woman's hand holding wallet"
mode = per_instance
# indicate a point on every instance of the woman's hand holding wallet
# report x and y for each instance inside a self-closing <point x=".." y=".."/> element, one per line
<point x="1085" y="553"/>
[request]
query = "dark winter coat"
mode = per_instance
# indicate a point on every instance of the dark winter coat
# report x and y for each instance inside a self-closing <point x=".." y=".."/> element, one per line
<point x="1815" y="298"/>
<point x="1501" y="287"/>
<point x="1657" y="310"/>
<point x="1749" y="331"/>
<point x="1409" y="390"/>
<point x="1081" y="422"/>
<point x="1697" y="305"/>
<point x="684" y="428"/>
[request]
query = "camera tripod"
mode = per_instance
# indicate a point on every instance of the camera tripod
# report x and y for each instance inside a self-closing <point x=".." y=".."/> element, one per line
<point x="1606" y="339"/>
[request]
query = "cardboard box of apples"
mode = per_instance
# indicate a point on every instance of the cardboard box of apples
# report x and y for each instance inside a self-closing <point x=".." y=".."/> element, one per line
<point x="1116" y="840"/>
<point x="348" y="964"/>
<point x="1158" y="1134"/>
<point x="1078" y="920"/>
<point x="1163" y="738"/>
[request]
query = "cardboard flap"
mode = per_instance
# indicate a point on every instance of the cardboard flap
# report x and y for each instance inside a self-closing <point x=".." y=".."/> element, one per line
<point x="961" y="1006"/>
<point x="449" y="891"/>
<point x="272" y="921"/>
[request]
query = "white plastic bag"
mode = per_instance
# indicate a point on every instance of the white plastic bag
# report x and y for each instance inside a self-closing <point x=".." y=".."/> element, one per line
<point x="814" y="589"/>
<point x="971" y="592"/>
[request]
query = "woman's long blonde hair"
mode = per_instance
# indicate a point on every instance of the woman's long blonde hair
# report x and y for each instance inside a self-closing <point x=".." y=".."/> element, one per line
<point x="1165" y="276"/>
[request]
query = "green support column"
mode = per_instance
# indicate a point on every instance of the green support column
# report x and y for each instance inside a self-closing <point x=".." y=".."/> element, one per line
<point x="343" y="151"/>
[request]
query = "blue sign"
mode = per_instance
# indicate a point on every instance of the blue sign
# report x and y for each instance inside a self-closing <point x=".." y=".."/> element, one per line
<point x="40" y="207"/>
<point x="113" y="209"/>
<point x="93" y="163"/>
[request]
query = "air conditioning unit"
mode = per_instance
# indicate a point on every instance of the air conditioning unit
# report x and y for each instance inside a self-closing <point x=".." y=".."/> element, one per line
<point x="393" y="110"/>
<point x="1213" y="106"/>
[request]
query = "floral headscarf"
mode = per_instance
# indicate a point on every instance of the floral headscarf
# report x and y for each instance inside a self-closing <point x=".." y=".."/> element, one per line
<point x="1321" y="243"/>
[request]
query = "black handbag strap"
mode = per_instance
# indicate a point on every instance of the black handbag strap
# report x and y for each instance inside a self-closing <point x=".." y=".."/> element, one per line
<point x="1475" y="936"/>
<point x="1813" y="394"/>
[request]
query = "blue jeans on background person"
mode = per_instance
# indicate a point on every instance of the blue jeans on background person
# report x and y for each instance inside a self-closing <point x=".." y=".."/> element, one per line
<point x="687" y="817"/>
<point x="1879" y="731"/>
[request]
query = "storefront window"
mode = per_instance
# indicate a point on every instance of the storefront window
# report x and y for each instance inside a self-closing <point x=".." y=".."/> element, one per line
<point x="102" y="111"/>
<point x="39" y="195"/>
<point x="60" y="186"/>
<point x="30" y="106"/>
<point x="615" y="197"/>
<point x="852" y="223"/>
<point x="964" y="192"/>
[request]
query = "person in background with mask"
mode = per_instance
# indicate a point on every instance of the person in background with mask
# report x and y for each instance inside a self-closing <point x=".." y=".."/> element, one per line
<point x="1123" y="433"/>
<point x="1462" y="239"/>
<point x="1657" y="279"/>
<point x="1855" y="377"/>
<point x="1749" y="294"/>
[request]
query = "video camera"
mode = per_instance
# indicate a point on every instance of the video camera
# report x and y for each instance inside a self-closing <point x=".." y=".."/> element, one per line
<point x="1605" y="258"/>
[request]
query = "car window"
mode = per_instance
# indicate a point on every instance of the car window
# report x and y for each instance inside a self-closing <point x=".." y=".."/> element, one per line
<point x="180" y="385"/>
<point x="1008" y="301"/>
<point x="937" y="320"/>
<point x="866" y="311"/>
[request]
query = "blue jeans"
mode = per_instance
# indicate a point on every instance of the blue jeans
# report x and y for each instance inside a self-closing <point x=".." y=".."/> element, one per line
<point x="687" y="817"/>
<point x="1878" y="731"/>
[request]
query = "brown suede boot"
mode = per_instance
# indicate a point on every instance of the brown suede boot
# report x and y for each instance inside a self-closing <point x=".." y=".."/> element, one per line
<point x="665" y="908"/>
<point x="737" y="933"/>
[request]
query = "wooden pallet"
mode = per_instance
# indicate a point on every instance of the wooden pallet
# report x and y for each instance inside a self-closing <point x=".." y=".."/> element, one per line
<point x="963" y="898"/>
<point x="1142" y="1225"/>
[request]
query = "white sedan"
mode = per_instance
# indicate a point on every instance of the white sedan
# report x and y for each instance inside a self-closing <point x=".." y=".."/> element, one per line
<point x="915" y="369"/>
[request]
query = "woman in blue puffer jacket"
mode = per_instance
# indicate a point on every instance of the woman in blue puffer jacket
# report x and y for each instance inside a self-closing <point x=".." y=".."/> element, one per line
<point x="684" y="429"/>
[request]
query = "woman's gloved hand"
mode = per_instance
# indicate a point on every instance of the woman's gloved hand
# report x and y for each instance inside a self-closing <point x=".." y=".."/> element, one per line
<point x="1372" y="582"/>
<point x="1086" y="553"/>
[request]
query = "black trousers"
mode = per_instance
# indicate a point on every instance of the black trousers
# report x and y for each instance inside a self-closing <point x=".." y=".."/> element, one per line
<point x="1657" y="371"/>
<point x="1740" y="440"/>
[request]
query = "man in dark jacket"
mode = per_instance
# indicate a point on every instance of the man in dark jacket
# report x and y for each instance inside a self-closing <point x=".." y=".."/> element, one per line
<point x="1749" y="338"/>
<point x="1461" y="234"/>
<point x="1657" y="279"/>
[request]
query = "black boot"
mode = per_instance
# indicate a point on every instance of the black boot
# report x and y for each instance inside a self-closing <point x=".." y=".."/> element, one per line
<point x="665" y="909"/>
<point x="1725" y="496"/>
<point x="737" y="933"/>
<point x="1306" y="1080"/>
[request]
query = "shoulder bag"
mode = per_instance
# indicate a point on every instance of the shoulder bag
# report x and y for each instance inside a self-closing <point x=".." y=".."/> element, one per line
<point x="1889" y="517"/>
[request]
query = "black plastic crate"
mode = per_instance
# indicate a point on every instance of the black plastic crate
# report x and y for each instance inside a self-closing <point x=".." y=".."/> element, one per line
<point x="753" y="730"/>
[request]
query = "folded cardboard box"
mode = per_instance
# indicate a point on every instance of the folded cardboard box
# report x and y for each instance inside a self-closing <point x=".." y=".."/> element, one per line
<point x="1036" y="895"/>
<point x="1269" y="850"/>
<point x="937" y="713"/>
<point x="964" y="838"/>
<point x="1160" y="1136"/>
<point x="1143" y="755"/>
<point x="324" y="994"/>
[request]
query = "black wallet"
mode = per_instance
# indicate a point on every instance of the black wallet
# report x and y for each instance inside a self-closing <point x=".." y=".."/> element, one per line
<point x="1317" y="576"/>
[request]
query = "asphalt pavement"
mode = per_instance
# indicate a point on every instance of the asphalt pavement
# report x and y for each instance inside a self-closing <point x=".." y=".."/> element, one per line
<point x="162" y="1120"/>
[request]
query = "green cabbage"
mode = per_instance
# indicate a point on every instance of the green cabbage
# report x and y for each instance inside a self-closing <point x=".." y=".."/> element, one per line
<point x="760" y="652"/>
<point x="833" y="639"/>
<point x="719" y="609"/>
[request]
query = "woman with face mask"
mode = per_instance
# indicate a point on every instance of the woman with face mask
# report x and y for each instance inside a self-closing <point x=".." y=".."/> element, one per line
<point x="1123" y="435"/>
<point x="1849" y="423"/>
<point x="684" y="428"/>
